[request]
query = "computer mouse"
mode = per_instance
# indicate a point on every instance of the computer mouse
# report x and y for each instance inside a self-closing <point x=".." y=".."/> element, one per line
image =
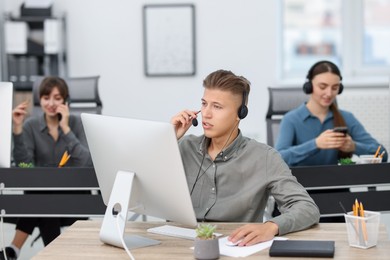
<point x="231" y="243"/>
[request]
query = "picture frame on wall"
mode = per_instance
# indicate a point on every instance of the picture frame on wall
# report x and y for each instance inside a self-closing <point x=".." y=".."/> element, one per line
<point x="169" y="40"/>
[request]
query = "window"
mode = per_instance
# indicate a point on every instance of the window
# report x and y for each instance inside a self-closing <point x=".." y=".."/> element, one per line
<point x="352" y="33"/>
<point x="376" y="42"/>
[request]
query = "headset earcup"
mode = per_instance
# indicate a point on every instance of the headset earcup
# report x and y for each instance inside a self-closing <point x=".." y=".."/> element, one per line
<point x="308" y="87"/>
<point x="341" y="87"/>
<point x="242" y="112"/>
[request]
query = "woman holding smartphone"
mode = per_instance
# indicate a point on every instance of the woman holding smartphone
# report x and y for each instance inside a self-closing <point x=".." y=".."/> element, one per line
<point x="311" y="134"/>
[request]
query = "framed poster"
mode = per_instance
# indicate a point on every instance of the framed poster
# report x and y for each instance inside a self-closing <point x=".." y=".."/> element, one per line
<point x="169" y="40"/>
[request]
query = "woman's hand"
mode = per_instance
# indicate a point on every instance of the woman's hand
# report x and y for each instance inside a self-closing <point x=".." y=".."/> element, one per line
<point x="182" y="122"/>
<point x="330" y="140"/>
<point x="63" y="109"/>
<point x="18" y="115"/>
<point x="348" y="145"/>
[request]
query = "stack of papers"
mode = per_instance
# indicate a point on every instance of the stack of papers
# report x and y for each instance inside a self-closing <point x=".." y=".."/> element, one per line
<point x="244" y="251"/>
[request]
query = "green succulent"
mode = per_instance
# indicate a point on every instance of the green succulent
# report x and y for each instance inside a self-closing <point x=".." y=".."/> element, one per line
<point x="205" y="231"/>
<point x="346" y="161"/>
<point x="26" y="165"/>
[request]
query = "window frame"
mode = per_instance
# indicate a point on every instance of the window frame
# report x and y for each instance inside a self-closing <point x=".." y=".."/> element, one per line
<point x="352" y="67"/>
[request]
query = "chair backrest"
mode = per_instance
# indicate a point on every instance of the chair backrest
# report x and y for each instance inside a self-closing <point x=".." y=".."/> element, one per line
<point x="281" y="100"/>
<point x="83" y="93"/>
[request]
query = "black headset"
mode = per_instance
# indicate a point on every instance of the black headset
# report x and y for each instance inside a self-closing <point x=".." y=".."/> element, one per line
<point x="308" y="86"/>
<point x="243" y="109"/>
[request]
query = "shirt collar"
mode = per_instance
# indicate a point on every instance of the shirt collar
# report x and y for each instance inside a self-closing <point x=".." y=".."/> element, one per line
<point x="42" y="123"/>
<point x="226" y="153"/>
<point x="304" y="113"/>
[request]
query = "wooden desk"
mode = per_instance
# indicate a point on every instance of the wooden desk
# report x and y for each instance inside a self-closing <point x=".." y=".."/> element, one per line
<point x="81" y="241"/>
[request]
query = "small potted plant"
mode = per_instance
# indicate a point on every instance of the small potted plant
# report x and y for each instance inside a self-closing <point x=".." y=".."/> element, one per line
<point x="346" y="161"/>
<point x="26" y="165"/>
<point x="206" y="243"/>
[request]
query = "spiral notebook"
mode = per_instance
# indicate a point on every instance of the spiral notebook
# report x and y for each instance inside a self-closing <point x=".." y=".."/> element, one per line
<point x="302" y="248"/>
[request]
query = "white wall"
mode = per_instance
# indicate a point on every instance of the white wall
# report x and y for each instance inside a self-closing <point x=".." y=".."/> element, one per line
<point x="105" y="38"/>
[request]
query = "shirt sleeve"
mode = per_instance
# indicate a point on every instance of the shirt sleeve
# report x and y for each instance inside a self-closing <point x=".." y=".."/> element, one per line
<point x="77" y="143"/>
<point x="298" y="210"/>
<point x="293" y="154"/>
<point x="24" y="145"/>
<point x="364" y="142"/>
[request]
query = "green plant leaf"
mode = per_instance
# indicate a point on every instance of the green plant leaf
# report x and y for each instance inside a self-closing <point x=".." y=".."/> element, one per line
<point x="346" y="161"/>
<point x="205" y="231"/>
<point x="26" y="165"/>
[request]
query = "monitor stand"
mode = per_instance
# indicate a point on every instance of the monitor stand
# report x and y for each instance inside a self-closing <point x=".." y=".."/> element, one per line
<point x="116" y="211"/>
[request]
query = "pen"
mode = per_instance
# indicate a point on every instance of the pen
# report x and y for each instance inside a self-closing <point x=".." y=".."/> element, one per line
<point x="342" y="207"/>
<point x="383" y="153"/>
<point x="346" y="213"/>
<point x="64" y="159"/>
<point x="377" y="151"/>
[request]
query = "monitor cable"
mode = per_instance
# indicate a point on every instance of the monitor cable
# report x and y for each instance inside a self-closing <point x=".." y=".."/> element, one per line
<point x="121" y="235"/>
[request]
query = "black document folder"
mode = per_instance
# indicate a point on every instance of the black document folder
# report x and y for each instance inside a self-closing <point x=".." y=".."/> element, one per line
<point x="302" y="248"/>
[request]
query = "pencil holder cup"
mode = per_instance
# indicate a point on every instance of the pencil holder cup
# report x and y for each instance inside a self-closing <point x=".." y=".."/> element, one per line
<point x="363" y="231"/>
<point x="364" y="159"/>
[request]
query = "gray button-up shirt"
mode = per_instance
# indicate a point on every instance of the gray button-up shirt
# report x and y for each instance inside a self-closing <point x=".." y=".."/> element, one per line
<point x="36" y="145"/>
<point x="235" y="186"/>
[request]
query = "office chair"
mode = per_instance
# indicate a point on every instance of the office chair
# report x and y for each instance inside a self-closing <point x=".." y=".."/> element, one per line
<point x="83" y="93"/>
<point x="281" y="100"/>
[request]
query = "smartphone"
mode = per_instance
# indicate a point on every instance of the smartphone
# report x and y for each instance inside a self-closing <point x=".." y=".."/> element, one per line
<point x="65" y="102"/>
<point x="341" y="129"/>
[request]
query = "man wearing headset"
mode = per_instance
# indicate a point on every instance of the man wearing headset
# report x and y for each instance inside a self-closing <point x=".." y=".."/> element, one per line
<point x="307" y="134"/>
<point x="230" y="177"/>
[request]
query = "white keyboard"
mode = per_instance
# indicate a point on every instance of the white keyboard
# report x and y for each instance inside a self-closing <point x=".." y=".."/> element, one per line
<point x="173" y="231"/>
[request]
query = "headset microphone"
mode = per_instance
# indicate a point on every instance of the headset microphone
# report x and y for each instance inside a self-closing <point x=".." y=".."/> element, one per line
<point x="195" y="121"/>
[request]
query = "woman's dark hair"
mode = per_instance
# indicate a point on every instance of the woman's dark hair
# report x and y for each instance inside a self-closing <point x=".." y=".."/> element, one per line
<point x="51" y="82"/>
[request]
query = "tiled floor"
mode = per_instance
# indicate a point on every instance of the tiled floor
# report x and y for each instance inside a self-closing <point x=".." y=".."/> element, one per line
<point x="28" y="251"/>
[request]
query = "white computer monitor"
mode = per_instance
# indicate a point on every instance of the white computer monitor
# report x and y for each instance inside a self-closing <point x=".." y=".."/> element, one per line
<point x="148" y="149"/>
<point x="6" y="97"/>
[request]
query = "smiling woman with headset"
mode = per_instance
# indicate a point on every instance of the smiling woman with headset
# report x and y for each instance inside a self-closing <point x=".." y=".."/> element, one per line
<point x="317" y="132"/>
<point x="230" y="176"/>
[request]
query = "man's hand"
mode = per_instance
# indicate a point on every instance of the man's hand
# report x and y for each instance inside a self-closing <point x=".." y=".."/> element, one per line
<point x="251" y="234"/>
<point x="182" y="122"/>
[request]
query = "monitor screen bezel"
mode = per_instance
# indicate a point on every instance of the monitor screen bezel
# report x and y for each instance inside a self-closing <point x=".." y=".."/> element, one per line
<point x="150" y="150"/>
<point x="6" y="99"/>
